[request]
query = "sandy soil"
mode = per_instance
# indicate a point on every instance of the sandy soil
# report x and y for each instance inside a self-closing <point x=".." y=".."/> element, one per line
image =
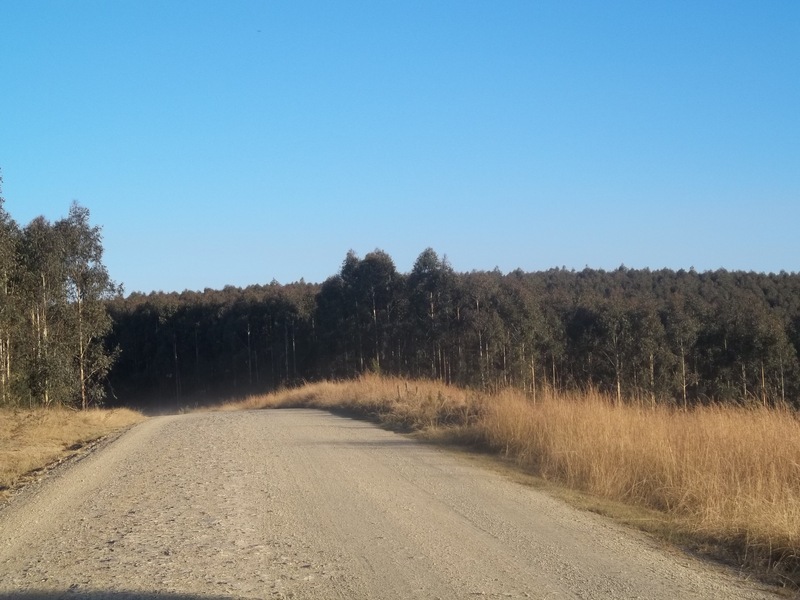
<point x="304" y="504"/>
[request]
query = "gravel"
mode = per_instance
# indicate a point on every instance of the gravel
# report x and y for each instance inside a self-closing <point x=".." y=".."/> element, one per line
<point x="305" y="504"/>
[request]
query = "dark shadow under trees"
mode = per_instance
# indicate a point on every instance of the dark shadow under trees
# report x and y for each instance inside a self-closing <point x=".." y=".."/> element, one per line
<point x="678" y="337"/>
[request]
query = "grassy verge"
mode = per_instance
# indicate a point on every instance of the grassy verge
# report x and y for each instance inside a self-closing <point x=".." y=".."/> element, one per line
<point x="33" y="439"/>
<point x="722" y="480"/>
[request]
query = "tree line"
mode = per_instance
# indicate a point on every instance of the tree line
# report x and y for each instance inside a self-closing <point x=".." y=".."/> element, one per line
<point x="68" y="336"/>
<point x="660" y="336"/>
<point x="53" y="316"/>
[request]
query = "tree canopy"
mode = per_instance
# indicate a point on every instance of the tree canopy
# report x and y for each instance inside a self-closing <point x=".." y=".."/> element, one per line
<point x="663" y="336"/>
<point x="68" y="336"/>
<point x="53" y="315"/>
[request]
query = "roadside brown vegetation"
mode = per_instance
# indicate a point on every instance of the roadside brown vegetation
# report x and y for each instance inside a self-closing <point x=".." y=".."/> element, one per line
<point x="725" y="480"/>
<point x="33" y="439"/>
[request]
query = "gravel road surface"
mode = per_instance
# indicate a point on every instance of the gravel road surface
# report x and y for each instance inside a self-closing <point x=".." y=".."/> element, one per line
<point x="304" y="504"/>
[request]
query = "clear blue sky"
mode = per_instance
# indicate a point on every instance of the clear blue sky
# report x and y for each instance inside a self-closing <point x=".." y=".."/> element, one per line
<point x="233" y="142"/>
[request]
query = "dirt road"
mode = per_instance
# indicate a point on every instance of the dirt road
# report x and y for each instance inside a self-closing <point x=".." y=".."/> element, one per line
<point x="303" y="504"/>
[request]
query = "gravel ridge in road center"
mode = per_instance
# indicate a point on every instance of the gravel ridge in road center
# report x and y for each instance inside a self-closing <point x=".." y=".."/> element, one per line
<point x="305" y="504"/>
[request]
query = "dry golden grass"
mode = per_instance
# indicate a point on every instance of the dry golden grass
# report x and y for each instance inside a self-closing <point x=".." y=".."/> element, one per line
<point x="398" y="403"/>
<point x="33" y="439"/>
<point x="729" y="476"/>
<point x="721" y="477"/>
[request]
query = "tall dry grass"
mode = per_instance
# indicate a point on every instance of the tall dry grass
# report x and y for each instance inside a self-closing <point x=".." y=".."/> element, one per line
<point x="726" y="476"/>
<point x="729" y="475"/>
<point x="398" y="403"/>
<point x="33" y="439"/>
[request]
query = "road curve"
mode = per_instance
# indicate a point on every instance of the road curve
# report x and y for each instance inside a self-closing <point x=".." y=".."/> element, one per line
<point x="304" y="504"/>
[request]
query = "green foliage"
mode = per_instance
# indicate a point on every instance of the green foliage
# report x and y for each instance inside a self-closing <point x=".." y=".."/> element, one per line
<point x="53" y="317"/>
<point x="67" y="335"/>
<point x="645" y="336"/>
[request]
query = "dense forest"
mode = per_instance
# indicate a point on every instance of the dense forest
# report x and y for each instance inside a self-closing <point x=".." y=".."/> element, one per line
<point x="68" y="336"/>
<point x="53" y="316"/>
<point x="663" y="336"/>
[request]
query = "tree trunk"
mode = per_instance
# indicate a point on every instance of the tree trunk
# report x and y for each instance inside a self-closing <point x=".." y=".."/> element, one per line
<point x="249" y="358"/>
<point x="683" y="376"/>
<point x="294" y="353"/>
<point x="480" y="359"/>
<point x="375" y="328"/>
<point x="744" y="382"/>
<point x="3" y="382"/>
<point x="177" y="371"/>
<point x="45" y="334"/>
<point x="286" y="347"/>
<point x="505" y="378"/>
<point x="81" y="356"/>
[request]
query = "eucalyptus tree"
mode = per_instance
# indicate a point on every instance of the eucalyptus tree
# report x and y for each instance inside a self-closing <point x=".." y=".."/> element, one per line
<point x="371" y="286"/>
<point x="558" y="305"/>
<point x="488" y="344"/>
<point x="380" y="285"/>
<point x="10" y="317"/>
<point x="649" y="356"/>
<point x="136" y="330"/>
<point x="341" y="316"/>
<point x="519" y="309"/>
<point x="86" y="286"/>
<point x="681" y="321"/>
<point x="430" y="288"/>
<point x="43" y="295"/>
<point x="355" y="312"/>
<point x="662" y="335"/>
<point x="334" y="330"/>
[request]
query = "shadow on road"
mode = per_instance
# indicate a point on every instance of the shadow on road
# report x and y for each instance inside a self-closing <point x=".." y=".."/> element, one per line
<point x="77" y="594"/>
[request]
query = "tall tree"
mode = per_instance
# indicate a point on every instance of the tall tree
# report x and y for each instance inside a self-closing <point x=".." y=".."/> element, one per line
<point x="10" y="317"/>
<point x="430" y="289"/>
<point x="374" y="284"/>
<point x="43" y="295"/>
<point x="682" y="326"/>
<point x="87" y="285"/>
